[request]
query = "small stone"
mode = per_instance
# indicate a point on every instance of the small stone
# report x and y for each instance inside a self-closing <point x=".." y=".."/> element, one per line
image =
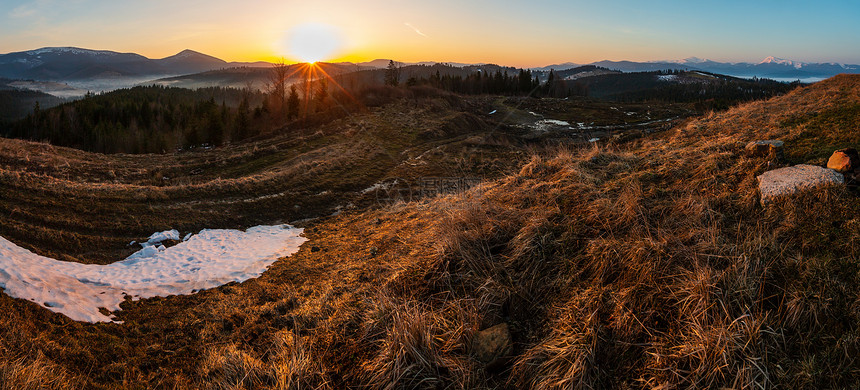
<point x="373" y="251"/>
<point x="790" y="180"/>
<point x="492" y="344"/>
<point x="765" y="148"/>
<point x="844" y="160"/>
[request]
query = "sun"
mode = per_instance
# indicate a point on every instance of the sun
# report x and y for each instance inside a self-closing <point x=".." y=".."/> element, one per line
<point x="312" y="42"/>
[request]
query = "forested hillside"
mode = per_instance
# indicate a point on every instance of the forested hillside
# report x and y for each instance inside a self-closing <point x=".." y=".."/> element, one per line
<point x="17" y="103"/>
<point x="146" y="119"/>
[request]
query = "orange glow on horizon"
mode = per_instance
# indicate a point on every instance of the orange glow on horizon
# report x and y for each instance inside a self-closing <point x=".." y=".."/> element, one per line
<point x="507" y="33"/>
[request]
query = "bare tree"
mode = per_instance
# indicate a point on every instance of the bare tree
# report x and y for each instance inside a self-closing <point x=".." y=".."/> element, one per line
<point x="277" y="86"/>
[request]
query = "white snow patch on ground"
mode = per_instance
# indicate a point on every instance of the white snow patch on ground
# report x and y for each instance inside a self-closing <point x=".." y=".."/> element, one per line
<point x="667" y="77"/>
<point x="549" y="124"/>
<point x="555" y="122"/>
<point x="208" y="259"/>
<point x="157" y="238"/>
<point x="380" y="185"/>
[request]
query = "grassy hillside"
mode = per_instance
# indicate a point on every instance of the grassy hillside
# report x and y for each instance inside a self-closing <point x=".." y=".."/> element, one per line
<point x="643" y="264"/>
<point x="50" y="194"/>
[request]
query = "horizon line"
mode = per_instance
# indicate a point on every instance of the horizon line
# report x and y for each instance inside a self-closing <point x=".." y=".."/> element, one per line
<point x="342" y="59"/>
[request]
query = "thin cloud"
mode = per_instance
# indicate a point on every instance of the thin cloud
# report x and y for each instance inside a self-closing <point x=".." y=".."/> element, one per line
<point x="22" y="11"/>
<point x="417" y="31"/>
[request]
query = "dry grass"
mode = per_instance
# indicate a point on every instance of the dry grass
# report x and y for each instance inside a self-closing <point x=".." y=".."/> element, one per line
<point x="291" y="365"/>
<point x="647" y="264"/>
<point x="41" y="373"/>
<point x="652" y="265"/>
<point x="419" y="347"/>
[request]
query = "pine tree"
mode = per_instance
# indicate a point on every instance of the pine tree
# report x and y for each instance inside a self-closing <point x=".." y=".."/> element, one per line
<point x="392" y="74"/>
<point x="293" y="103"/>
<point x="321" y="98"/>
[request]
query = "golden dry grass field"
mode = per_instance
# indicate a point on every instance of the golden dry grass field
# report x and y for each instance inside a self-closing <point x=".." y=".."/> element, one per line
<point x="647" y="263"/>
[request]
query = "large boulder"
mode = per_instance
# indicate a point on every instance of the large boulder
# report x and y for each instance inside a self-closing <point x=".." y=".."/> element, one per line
<point x="844" y="160"/>
<point x="767" y="148"/>
<point x="790" y="180"/>
<point x="492" y="344"/>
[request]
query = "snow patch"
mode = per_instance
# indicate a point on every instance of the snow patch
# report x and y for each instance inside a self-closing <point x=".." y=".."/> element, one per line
<point x="71" y="50"/>
<point x="780" y="61"/>
<point x="666" y="77"/>
<point x="549" y="124"/>
<point x="379" y="186"/>
<point x="157" y="238"/>
<point x="691" y="60"/>
<point x="205" y="260"/>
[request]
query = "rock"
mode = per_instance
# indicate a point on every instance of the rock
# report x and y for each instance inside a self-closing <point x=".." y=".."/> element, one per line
<point x="490" y="345"/>
<point x="844" y="160"/>
<point x="790" y="180"/>
<point x="765" y="148"/>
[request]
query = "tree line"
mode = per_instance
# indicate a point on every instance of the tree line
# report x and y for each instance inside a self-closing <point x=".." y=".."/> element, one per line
<point x="479" y="82"/>
<point x="707" y="91"/>
<point x="146" y="119"/>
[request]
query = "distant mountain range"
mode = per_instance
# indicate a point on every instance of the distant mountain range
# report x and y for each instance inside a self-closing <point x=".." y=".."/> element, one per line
<point x="770" y="67"/>
<point x="70" y="63"/>
<point x="105" y="70"/>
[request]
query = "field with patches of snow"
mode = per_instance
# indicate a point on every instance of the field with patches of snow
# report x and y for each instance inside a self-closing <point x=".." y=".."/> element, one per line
<point x="205" y="260"/>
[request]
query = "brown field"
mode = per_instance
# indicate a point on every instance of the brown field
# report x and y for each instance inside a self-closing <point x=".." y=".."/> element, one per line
<point x="647" y="263"/>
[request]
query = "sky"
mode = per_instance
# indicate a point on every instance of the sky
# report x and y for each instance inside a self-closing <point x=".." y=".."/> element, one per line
<point x="516" y="33"/>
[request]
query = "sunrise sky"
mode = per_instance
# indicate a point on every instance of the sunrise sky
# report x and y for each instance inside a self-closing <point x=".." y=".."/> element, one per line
<point x="517" y="33"/>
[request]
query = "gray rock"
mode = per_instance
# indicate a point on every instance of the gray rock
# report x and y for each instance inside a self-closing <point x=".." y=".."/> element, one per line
<point x="766" y="148"/>
<point x="790" y="180"/>
<point x="492" y="344"/>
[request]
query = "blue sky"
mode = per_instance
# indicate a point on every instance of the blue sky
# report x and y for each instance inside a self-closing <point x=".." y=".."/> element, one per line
<point x="518" y="33"/>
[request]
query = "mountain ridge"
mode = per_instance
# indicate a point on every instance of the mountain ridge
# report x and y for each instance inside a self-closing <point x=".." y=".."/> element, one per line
<point x="769" y="67"/>
<point x="80" y="65"/>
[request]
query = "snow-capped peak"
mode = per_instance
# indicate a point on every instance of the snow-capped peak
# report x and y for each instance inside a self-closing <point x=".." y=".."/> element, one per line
<point x="780" y="61"/>
<point x="70" y="50"/>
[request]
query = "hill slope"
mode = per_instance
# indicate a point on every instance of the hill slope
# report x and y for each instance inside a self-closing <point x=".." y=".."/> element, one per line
<point x="71" y="63"/>
<point x="643" y="264"/>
